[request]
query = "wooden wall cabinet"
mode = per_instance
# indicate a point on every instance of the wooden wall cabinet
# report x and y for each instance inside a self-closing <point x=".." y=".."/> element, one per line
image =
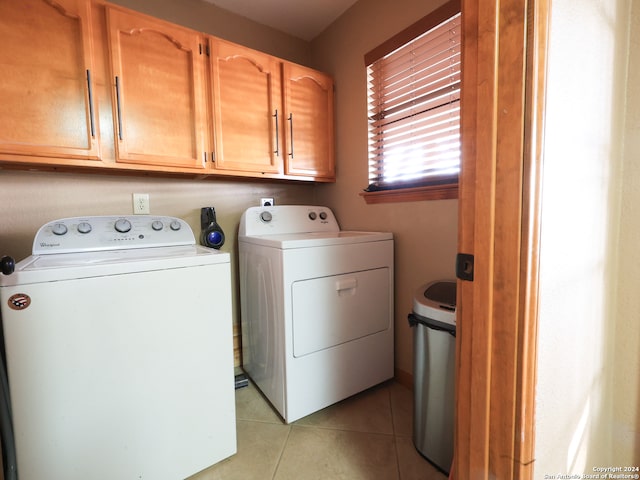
<point x="159" y="95"/>
<point x="172" y="100"/>
<point x="247" y="106"/>
<point x="308" y="105"/>
<point x="271" y="116"/>
<point x="47" y="106"/>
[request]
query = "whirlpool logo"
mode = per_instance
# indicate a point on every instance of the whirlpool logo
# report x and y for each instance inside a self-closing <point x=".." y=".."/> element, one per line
<point x="19" y="301"/>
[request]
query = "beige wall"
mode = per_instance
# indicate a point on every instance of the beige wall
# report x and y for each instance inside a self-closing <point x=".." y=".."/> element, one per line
<point x="581" y="331"/>
<point x="425" y="232"/>
<point x="206" y="17"/>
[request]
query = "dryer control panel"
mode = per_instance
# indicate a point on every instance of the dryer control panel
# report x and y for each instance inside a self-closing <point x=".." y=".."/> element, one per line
<point x="91" y="234"/>
<point x="286" y="219"/>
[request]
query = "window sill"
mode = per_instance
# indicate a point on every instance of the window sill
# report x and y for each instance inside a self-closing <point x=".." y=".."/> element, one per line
<point x="416" y="194"/>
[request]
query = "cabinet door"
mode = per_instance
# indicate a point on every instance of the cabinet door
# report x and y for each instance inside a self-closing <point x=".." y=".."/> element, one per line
<point x="158" y="91"/>
<point x="247" y="109"/>
<point x="46" y="90"/>
<point x="308" y="100"/>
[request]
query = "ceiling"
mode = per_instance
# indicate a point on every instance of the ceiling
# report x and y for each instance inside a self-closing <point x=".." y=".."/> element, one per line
<point x="304" y="19"/>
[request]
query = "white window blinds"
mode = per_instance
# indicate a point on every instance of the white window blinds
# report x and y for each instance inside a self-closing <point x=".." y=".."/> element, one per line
<point x="414" y="108"/>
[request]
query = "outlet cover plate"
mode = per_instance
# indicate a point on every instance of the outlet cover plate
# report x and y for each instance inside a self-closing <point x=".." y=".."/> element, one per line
<point x="141" y="204"/>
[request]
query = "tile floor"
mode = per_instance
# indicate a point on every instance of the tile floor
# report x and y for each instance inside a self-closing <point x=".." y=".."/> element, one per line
<point x="366" y="437"/>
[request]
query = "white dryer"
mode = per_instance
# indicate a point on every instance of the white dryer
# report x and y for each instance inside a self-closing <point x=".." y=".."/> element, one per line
<point x="316" y="305"/>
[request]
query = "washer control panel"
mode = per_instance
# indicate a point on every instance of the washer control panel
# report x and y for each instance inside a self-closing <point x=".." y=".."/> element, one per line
<point x="90" y="234"/>
<point x="287" y="219"/>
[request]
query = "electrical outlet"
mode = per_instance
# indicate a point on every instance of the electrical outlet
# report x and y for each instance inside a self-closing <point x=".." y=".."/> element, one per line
<point x="267" y="202"/>
<point x="141" y="204"/>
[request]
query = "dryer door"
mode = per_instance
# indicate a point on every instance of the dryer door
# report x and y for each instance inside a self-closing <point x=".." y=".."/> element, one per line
<point x="332" y="310"/>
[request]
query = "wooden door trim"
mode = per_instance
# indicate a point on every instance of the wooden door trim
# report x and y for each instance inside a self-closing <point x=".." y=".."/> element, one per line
<point x="504" y="66"/>
<point x="538" y="12"/>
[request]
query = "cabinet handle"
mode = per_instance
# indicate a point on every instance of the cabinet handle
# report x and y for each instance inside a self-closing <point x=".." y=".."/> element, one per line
<point x="291" y="133"/>
<point x="277" y="151"/>
<point x="90" y="92"/>
<point x="346" y="284"/>
<point x="118" y="108"/>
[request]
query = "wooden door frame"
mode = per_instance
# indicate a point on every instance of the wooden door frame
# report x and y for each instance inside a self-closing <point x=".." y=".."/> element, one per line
<point x="504" y="67"/>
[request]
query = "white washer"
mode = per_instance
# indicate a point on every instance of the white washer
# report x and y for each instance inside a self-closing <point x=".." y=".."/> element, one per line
<point x="317" y="307"/>
<point x="118" y="335"/>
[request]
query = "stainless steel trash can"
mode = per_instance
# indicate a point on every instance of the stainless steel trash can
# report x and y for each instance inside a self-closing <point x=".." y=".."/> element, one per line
<point x="434" y="344"/>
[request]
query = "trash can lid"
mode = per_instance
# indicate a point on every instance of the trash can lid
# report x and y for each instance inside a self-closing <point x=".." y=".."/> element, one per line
<point x="436" y="300"/>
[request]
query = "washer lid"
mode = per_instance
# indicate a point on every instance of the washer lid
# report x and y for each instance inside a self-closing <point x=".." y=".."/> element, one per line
<point x="66" y="266"/>
<point x="436" y="300"/>
<point x="315" y="239"/>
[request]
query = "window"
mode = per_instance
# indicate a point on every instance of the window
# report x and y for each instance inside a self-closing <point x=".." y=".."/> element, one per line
<point x="414" y="110"/>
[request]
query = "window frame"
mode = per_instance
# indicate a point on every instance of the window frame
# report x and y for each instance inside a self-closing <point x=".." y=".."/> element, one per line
<point x="443" y="190"/>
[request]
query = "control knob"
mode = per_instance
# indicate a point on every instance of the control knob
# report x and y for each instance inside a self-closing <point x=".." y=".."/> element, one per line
<point x="157" y="225"/>
<point x="175" y="225"/>
<point x="84" y="227"/>
<point x="266" y="216"/>
<point x="59" y="229"/>
<point x="122" y="225"/>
